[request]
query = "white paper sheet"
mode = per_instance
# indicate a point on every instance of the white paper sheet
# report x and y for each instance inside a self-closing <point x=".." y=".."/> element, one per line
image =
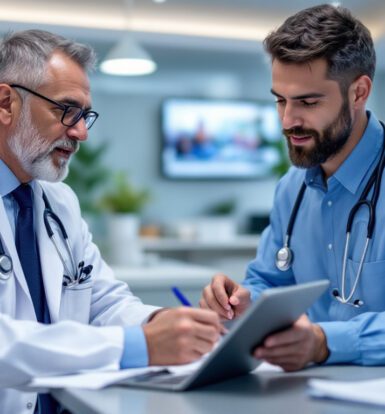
<point x="90" y="380"/>
<point x="368" y="392"/>
<point x="99" y="379"/>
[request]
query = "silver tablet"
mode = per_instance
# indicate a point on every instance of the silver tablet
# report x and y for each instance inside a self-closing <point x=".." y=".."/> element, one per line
<point x="274" y="310"/>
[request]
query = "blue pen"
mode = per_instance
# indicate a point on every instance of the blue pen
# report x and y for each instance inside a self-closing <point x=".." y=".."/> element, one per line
<point x="180" y="296"/>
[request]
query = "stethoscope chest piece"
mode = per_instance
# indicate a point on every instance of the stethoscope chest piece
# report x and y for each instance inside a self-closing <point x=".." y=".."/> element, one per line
<point x="6" y="267"/>
<point x="284" y="258"/>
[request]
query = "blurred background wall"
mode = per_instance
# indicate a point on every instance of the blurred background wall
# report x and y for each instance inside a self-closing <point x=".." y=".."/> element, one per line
<point x="205" y="49"/>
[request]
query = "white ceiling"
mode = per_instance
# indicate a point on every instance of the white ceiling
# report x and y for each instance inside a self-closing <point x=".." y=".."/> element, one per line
<point x="234" y="19"/>
<point x="227" y="27"/>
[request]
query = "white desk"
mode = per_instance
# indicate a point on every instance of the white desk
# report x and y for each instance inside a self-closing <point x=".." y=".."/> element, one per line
<point x="260" y="393"/>
<point x="152" y="282"/>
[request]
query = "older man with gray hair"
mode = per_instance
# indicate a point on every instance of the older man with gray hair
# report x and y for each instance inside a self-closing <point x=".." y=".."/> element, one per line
<point x="61" y="310"/>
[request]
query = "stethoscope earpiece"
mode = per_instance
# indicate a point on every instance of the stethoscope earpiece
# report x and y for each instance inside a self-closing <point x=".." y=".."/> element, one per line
<point x="356" y="303"/>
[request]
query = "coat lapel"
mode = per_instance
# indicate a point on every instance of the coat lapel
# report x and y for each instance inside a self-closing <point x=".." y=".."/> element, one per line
<point x="51" y="265"/>
<point x="8" y="240"/>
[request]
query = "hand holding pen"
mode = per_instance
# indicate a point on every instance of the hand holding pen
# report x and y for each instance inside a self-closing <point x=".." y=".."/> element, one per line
<point x="181" y="335"/>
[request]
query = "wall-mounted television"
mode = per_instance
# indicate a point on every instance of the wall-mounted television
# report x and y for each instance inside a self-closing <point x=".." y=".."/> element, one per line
<point x="219" y="139"/>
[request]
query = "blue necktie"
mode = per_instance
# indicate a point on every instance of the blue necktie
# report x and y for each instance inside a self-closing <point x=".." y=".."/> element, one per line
<point x="27" y="249"/>
<point x="26" y="245"/>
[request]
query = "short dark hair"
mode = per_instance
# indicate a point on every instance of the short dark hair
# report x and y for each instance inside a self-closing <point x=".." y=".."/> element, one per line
<point x="328" y="32"/>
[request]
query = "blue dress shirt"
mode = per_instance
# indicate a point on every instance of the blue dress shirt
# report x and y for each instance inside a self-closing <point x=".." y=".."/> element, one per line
<point x="354" y="335"/>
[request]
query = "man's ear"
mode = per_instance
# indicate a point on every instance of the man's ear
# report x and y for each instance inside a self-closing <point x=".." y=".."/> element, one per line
<point x="360" y="90"/>
<point x="7" y="104"/>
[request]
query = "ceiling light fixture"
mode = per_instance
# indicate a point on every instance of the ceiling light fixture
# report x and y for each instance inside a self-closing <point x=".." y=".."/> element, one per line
<point x="128" y="58"/>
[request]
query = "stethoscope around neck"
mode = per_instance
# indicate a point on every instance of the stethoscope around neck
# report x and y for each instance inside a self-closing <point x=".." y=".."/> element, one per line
<point x="6" y="265"/>
<point x="285" y="256"/>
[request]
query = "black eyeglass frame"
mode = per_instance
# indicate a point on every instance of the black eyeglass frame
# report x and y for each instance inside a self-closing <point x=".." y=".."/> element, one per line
<point x="65" y="108"/>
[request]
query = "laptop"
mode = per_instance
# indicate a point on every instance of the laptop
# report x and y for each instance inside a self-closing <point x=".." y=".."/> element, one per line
<point x="275" y="310"/>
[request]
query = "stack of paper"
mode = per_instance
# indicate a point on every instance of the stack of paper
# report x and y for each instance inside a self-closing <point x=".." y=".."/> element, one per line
<point x="367" y="392"/>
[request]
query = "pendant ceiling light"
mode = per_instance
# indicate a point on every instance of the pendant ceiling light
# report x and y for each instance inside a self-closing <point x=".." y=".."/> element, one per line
<point x="128" y="58"/>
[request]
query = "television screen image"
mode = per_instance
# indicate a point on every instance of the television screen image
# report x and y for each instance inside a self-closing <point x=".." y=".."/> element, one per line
<point x="205" y="139"/>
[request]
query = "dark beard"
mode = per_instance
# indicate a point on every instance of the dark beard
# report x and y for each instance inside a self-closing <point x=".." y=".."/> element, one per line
<point x="327" y="144"/>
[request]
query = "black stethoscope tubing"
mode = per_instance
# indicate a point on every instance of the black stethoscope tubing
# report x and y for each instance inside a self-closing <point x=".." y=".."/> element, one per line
<point x="294" y="213"/>
<point x="49" y="213"/>
<point x="6" y="266"/>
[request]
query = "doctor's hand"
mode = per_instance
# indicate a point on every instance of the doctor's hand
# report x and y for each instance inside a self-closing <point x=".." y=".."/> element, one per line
<point x="226" y="297"/>
<point x="181" y="335"/>
<point x="293" y="348"/>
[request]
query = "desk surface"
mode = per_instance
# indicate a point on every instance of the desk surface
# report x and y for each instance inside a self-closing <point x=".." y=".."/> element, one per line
<point x="265" y="392"/>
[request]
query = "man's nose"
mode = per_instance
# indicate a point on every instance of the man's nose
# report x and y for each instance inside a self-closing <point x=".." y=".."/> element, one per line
<point x="78" y="131"/>
<point x="291" y="117"/>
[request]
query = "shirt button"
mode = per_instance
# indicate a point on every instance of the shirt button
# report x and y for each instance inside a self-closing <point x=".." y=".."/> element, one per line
<point x="29" y="405"/>
<point x="330" y="246"/>
<point x="330" y="203"/>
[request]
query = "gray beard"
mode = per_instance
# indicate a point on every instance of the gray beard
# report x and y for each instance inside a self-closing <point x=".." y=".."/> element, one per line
<point x="35" y="154"/>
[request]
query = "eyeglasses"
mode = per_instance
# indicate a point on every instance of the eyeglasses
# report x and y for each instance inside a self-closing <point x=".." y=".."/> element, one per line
<point x="71" y="114"/>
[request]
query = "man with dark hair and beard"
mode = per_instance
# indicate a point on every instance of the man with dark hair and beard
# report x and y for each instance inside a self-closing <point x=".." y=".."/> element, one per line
<point x="323" y="64"/>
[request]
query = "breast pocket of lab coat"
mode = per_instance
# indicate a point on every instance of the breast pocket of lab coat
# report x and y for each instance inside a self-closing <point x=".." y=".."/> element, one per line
<point x="76" y="302"/>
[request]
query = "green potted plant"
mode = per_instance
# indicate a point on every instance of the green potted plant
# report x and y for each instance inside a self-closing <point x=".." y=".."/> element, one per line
<point x="123" y="198"/>
<point x="122" y="204"/>
<point x="87" y="175"/>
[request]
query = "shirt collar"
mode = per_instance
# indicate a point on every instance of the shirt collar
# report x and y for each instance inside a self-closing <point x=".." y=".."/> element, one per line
<point x="354" y="169"/>
<point x="9" y="181"/>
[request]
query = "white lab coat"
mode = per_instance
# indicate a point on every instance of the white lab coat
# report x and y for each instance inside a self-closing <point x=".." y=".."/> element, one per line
<point x="86" y="330"/>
